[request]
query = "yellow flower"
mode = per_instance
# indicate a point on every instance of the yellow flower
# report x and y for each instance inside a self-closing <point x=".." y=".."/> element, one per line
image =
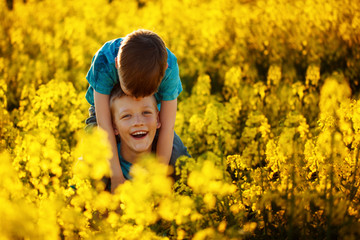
<point x="312" y="75"/>
<point x="222" y="226"/>
<point x="210" y="200"/>
<point x="250" y="227"/>
<point x="208" y="179"/>
<point x="274" y="75"/>
<point x="178" y="208"/>
<point x="207" y="233"/>
<point x="92" y="153"/>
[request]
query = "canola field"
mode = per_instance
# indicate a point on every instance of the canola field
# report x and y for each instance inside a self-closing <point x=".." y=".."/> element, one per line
<point x="270" y="113"/>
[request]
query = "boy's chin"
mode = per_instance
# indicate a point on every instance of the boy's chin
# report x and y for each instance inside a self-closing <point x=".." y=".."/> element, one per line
<point x="143" y="145"/>
<point x="142" y="148"/>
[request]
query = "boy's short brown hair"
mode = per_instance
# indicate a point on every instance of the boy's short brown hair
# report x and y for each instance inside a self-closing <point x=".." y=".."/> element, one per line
<point x="142" y="61"/>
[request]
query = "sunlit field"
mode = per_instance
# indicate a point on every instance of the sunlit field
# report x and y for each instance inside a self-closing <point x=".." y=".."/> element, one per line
<point x="270" y="113"/>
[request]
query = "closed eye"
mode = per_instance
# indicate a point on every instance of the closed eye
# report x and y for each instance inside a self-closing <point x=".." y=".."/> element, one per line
<point x="125" y="116"/>
<point x="147" y="112"/>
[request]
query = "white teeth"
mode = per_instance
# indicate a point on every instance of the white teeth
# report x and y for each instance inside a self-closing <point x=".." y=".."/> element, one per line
<point x="138" y="133"/>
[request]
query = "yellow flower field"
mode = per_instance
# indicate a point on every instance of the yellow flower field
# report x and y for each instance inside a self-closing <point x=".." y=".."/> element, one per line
<point x="270" y="113"/>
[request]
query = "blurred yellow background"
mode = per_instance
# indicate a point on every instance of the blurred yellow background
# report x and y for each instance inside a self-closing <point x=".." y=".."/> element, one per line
<point x="270" y="114"/>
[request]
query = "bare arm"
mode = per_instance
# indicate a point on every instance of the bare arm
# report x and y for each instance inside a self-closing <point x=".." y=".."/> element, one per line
<point x="103" y="117"/>
<point x="166" y="134"/>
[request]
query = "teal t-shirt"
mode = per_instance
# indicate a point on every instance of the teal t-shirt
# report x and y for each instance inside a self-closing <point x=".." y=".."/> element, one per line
<point x="102" y="75"/>
<point x="125" y="165"/>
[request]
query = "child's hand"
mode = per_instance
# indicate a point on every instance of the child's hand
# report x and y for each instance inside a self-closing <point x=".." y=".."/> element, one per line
<point x="115" y="182"/>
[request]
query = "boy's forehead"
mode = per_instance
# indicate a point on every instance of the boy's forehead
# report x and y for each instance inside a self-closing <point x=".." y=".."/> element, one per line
<point x="125" y="103"/>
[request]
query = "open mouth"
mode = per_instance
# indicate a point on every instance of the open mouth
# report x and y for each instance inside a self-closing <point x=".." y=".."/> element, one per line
<point x="139" y="134"/>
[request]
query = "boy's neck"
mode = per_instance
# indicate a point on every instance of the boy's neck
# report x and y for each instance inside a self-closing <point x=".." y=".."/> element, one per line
<point x="130" y="155"/>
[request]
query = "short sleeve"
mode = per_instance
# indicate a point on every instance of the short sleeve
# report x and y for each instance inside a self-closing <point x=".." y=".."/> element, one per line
<point x="170" y="86"/>
<point x="101" y="75"/>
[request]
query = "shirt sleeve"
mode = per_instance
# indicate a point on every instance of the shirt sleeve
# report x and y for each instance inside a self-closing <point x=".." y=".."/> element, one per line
<point x="101" y="75"/>
<point x="170" y="87"/>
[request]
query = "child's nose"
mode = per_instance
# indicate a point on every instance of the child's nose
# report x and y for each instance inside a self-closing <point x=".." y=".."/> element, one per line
<point x="138" y="120"/>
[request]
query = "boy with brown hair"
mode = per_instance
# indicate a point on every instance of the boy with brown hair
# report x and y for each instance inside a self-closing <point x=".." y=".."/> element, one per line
<point x="136" y="122"/>
<point x="143" y="66"/>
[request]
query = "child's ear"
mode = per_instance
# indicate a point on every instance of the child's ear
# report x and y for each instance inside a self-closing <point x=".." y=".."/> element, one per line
<point x="158" y="124"/>
<point x="115" y="130"/>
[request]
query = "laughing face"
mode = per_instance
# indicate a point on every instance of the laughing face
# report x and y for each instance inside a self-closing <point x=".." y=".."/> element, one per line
<point x="136" y="121"/>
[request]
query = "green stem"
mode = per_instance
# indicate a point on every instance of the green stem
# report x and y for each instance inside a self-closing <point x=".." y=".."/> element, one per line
<point x="354" y="188"/>
<point x="264" y="213"/>
<point x="331" y="197"/>
<point x="292" y="195"/>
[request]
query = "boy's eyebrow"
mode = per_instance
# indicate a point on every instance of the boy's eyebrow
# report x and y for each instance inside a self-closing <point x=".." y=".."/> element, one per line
<point x="149" y="106"/>
<point x="152" y="106"/>
<point x="121" y="110"/>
